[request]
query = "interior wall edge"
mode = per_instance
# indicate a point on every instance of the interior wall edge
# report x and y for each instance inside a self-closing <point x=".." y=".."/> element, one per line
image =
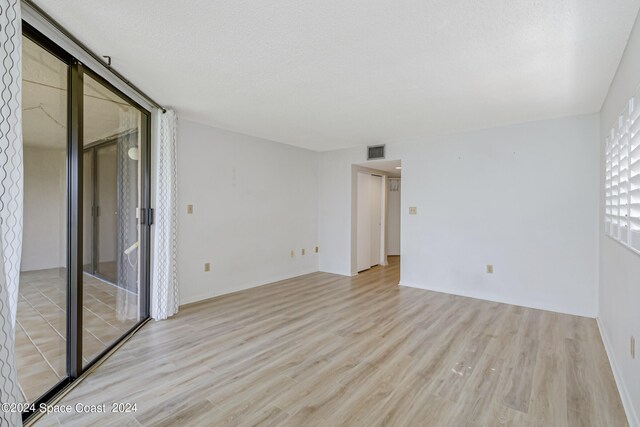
<point x="632" y="416"/>
<point x="619" y="267"/>
<point x="239" y="288"/>
<point x="511" y="301"/>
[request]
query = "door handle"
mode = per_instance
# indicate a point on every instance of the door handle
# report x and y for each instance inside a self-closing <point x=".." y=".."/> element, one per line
<point x="147" y="216"/>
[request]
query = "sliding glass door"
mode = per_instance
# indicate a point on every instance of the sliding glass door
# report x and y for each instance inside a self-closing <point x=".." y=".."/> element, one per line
<point x="41" y="322"/>
<point x="85" y="264"/>
<point x="112" y="141"/>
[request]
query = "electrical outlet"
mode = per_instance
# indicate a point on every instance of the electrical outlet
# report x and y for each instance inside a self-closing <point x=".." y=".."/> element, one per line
<point x="207" y="266"/>
<point x="189" y="209"/>
<point x="293" y="253"/>
<point x="633" y="347"/>
<point x="317" y="249"/>
<point x="413" y="210"/>
<point x="302" y="252"/>
<point x="490" y="268"/>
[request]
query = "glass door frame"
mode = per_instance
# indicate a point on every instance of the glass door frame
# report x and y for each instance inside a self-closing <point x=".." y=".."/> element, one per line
<point x="74" y="162"/>
<point x="92" y="150"/>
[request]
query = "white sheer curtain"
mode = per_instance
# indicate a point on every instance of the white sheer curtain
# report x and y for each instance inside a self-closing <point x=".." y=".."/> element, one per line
<point x="11" y="191"/>
<point x="164" y="279"/>
<point x="127" y="224"/>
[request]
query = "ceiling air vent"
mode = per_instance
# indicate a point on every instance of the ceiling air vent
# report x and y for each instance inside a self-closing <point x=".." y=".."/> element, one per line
<point x="375" y="152"/>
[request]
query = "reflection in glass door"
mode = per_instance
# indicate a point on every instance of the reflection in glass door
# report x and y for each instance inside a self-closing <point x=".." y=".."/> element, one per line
<point x="87" y="213"/>
<point x="41" y="323"/>
<point x="112" y="196"/>
<point x="106" y="215"/>
<point x="100" y="208"/>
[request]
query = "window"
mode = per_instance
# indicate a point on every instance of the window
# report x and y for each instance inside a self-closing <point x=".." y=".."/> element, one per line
<point x="622" y="177"/>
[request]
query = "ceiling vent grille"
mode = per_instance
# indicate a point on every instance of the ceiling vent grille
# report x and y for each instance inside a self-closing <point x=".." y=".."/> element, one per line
<point x="375" y="152"/>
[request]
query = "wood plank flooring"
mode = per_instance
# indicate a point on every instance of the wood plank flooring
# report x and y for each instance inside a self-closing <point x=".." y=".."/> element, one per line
<point x="329" y="350"/>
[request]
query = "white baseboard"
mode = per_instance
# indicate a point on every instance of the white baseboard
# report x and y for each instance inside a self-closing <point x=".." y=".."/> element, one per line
<point x="203" y="297"/>
<point x="632" y="416"/>
<point x="627" y="403"/>
<point x="519" y="303"/>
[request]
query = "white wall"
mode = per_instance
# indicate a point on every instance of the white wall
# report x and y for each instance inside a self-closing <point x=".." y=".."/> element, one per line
<point x="45" y="198"/>
<point x="393" y="218"/>
<point x="619" y="315"/>
<point x="523" y="198"/>
<point x="254" y="201"/>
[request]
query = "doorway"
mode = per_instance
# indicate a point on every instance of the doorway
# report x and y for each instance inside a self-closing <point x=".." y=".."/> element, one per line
<point x="375" y="214"/>
<point x="394" y="196"/>
<point x="370" y="212"/>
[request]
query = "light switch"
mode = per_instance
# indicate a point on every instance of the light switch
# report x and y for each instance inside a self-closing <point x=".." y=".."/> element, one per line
<point x="302" y="252"/>
<point x="317" y="249"/>
<point x="413" y="210"/>
<point x="490" y="268"/>
<point x="189" y="209"/>
<point x="293" y="254"/>
<point x="207" y="266"/>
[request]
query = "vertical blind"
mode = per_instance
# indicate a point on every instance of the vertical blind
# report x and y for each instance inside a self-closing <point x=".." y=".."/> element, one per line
<point x="622" y="177"/>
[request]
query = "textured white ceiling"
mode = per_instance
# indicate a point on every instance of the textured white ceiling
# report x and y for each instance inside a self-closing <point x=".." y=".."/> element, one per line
<point x="335" y="73"/>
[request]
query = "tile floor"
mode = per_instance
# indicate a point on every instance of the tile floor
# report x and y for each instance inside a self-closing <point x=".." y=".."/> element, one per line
<point x="41" y="325"/>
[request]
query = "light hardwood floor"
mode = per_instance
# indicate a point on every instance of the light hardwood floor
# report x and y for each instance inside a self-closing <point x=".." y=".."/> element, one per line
<point x="329" y="350"/>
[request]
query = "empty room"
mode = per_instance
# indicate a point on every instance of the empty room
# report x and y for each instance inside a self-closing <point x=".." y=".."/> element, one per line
<point x="365" y="213"/>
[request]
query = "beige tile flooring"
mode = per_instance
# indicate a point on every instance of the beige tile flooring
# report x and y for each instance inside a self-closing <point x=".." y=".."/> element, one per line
<point x="41" y="325"/>
<point x="106" y="270"/>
